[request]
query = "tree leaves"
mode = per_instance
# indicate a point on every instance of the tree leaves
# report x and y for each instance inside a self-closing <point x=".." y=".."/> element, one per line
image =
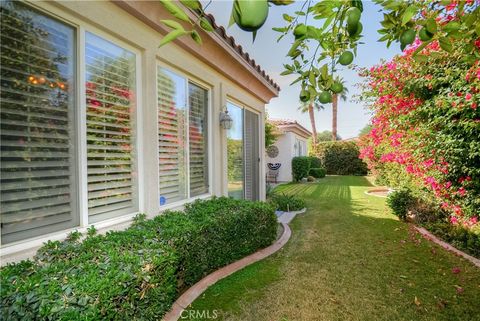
<point x="176" y="11"/>
<point x="445" y="44"/>
<point x="172" y="24"/>
<point x="205" y="24"/>
<point x="171" y="36"/>
<point x="408" y="14"/>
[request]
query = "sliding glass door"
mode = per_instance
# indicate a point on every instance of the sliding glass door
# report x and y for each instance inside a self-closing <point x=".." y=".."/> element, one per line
<point x="235" y="155"/>
<point x="243" y="154"/>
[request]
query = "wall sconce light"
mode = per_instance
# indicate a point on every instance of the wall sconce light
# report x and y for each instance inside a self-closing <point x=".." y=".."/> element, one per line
<point x="225" y="120"/>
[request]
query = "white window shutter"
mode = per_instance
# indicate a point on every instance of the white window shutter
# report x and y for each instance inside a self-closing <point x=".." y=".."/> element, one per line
<point x="36" y="124"/>
<point x="110" y="100"/>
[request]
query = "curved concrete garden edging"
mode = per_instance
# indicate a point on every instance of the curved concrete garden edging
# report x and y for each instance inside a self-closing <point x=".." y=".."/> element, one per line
<point x="198" y="288"/>
<point x="372" y="191"/>
<point x="429" y="236"/>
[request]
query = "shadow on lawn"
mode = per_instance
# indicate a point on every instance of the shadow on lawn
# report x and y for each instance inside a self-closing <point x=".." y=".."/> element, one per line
<point x="347" y="252"/>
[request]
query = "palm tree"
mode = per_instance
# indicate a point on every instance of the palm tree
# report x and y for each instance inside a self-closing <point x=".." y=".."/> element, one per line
<point x="343" y="96"/>
<point x="309" y="107"/>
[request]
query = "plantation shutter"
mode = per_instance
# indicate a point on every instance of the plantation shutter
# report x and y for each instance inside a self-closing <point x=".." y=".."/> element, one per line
<point x="251" y="141"/>
<point x="36" y="124"/>
<point x="198" y="140"/>
<point x="172" y="135"/>
<point x="110" y="100"/>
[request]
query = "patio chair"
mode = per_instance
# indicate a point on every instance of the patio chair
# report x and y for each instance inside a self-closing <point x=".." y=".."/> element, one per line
<point x="273" y="170"/>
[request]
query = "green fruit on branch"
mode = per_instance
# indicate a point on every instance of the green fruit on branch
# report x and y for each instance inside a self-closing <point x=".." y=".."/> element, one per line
<point x="358" y="4"/>
<point x="424" y="35"/>
<point x="346" y="58"/>
<point x="325" y="97"/>
<point x="281" y="2"/>
<point x="300" y="31"/>
<point x="304" y="96"/>
<point x="352" y="28"/>
<point x="353" y="15"/>
<point x="337" y="87"/>
<point x="408" y="37"/>
<point x="359" y="30"/>
<point x="250" y="15"/>
<point x="355" y="30"/>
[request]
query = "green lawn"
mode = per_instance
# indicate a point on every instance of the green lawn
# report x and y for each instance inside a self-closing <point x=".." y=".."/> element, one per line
<point x="348" y="259"/>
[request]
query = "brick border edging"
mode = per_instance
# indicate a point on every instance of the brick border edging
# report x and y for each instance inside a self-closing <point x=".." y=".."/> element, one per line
<point x="429" y="236"/>
<point x="198" y="288"/>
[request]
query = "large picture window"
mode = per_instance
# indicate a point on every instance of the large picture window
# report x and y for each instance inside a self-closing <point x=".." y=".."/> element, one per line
<point x="110" y="100"/>
<point x="182" y="138"/>
<point x="37" y="124"/>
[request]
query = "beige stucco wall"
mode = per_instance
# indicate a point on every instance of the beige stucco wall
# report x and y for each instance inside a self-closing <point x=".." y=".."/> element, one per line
<point x="112" y="22"/>
<point x="286" y="151"/>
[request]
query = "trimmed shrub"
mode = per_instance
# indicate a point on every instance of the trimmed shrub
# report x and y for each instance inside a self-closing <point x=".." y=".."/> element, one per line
<point x="120" y="275"/>
<point x="458" y="236"/>
<point x="400" y="201"/>
<point x="315" y="162"/>
<point x="287" y="203"/>
<point x="222" y="230"/>
<point x="136" y="273"/>
<point x="300" y="167"/>
<point x="341" y="158"/>
<point x="318" y="172"/>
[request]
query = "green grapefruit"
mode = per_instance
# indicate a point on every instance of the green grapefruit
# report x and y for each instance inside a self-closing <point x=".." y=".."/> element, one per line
<point x="337" y="87"/>
<point x="325" y="97"/>
<point x="346" y="58"/>
<point x="250" y="15"/>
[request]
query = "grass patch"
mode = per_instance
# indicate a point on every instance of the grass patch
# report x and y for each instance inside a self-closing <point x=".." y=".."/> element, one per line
<point x="349" y="258"/>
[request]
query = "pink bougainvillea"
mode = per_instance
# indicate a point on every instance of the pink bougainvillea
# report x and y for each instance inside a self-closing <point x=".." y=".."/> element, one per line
<point x="426" y="126"/>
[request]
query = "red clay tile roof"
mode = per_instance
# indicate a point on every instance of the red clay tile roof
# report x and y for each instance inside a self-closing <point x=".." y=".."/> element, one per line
<point x="289" y="123"/>
<point x="238" y="48"/>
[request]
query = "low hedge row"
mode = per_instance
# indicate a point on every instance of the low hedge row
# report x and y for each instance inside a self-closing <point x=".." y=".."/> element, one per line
<point x="302" y="167"/>
<point x="423" y="212"/>
<point x="458" y="236"/>
<point x="318" y="172"/>
<point x="136" y="273"/>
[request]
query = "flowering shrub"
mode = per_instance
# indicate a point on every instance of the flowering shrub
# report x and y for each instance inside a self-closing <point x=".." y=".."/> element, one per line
<point x="426" y="126"/>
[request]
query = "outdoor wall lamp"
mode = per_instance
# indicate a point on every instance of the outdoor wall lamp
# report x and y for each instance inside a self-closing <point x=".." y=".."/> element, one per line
<point x="225" y="120"/>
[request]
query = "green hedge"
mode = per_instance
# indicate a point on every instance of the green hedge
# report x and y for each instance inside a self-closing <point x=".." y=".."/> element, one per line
<point x="341" y="158"/>
<point x="315" y="162"/>
<point x="458" y="236"/>
<point x="318" y="172"/>
<point x="300" y="167"/>
<point x="136" y="273"/>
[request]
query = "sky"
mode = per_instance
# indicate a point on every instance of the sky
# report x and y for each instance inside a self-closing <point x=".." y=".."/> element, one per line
<point x="270" y="55"/>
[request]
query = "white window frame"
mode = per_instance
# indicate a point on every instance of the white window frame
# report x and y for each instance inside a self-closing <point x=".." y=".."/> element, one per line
<point x="80" y="170"/>
<point x="136" y="125"/>
<point x="209" y="88"/>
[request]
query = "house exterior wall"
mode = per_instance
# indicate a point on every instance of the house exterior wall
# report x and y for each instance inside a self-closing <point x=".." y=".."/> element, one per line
<point x="286" y="151"/>
<point x="109" y="20"/>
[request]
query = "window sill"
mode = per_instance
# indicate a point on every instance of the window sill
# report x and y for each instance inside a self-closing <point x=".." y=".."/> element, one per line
<point x="183" y="202"/>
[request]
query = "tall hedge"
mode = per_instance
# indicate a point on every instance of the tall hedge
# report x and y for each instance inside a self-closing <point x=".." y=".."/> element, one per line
<point x="315" y="162"/>
<point x="341" y="158"/>
<point x="134" y="274"/>
<point x="300" y="167"/>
